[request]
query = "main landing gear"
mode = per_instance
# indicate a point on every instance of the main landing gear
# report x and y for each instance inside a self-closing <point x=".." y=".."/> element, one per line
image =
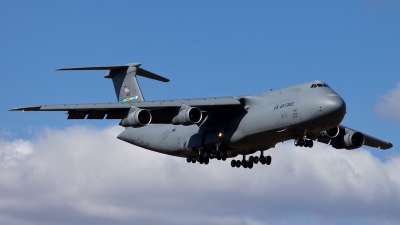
<point x="205" y="158"/>
<point x="252" y="160"/>
<point x="304" y="143"/>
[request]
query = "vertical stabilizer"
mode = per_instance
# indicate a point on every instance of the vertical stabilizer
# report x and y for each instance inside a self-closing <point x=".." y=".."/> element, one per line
<point x="124" y="79"/>
<point x="125" y="83"/>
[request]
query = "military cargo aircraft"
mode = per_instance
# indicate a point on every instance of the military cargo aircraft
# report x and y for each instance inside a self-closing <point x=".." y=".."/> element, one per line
<point x="223" y="127"/>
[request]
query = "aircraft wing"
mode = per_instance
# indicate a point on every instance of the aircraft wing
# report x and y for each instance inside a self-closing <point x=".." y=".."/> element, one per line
<point x="369" y="140"/>
<point x="162" y="111"/>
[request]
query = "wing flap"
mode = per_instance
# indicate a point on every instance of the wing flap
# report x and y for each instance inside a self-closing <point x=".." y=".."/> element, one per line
<point x="97" y="114"/>
<point x="75" y="115"/>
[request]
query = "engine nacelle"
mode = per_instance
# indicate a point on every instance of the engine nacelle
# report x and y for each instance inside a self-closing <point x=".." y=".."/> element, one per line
<point x="353" y="140"/>
<point x="349" y="141"/>
<point x="137" y="118"/>
<point x="188" y="116"/>
<point x="331" y="133"/>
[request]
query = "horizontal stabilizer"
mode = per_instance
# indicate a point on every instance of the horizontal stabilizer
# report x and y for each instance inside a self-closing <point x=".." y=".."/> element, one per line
<point x="139" y="72"/>
<point x="148" y="74"/>
<point x="97" y="68"/>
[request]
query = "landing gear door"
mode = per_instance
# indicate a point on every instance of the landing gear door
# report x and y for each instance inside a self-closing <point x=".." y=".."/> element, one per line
<point x="195" y="141"/>
<point x="211" y="138"/>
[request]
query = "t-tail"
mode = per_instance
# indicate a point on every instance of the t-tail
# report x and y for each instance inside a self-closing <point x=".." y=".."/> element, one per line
<point x="124" y="79"/>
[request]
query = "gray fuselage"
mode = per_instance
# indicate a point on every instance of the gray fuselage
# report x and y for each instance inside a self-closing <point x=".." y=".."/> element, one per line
<point x="264" y="120"/>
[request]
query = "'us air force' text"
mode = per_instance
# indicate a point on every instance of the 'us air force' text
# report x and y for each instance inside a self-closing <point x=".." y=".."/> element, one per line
<point x="284" y="105"/>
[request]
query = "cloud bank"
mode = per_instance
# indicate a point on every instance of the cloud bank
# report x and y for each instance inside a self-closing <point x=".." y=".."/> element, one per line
<point x="82" y="175"/>
<point x="389" y="106"/>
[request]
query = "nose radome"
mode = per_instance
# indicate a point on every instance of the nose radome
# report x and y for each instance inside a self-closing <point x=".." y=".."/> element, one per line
<point x="333" y="104"/>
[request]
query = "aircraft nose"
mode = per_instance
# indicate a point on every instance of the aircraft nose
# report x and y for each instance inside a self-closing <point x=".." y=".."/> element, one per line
<point x="333" y="104"/>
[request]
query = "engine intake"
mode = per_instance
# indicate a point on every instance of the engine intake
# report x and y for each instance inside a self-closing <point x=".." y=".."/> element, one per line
<point x="331" y="133"/>
<point x="349" y="141"/>
<point x="137" y="118"/>
<point x="354" y="140"/>
<point x="188" y="116"/>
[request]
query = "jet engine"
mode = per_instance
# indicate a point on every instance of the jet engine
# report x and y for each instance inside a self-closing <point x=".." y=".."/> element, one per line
<point x="188" y="116"/>
<point x="350" y="141"/>
<point x="137" y="118"/>
<point x="354" y="140"/>
<point x="331" y="133"/>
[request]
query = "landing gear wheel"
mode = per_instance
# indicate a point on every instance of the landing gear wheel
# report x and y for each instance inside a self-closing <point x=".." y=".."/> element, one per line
<point x="301" y="142"/>
<point x="251" y="159"/>
<point x="200" y="159"/>
<point x="206" y="160"/>
<point x="250" y="165"/>
<point x="268" y="160"/>
<point x="194" y="160"/>
<point x="311" y="143"/>
<point x="218" y="153"/>
<point x="296" y="142"/>
<point x="233" y="163"/>
<point x="238" y="163"/>
<point x="262" y="159"/>
<point x="256" y="160"/>
<point x="244" y="163"/>
<point x="306" y="143"/>
<point x="223" y="155"/>
<point x="189" y="158"/>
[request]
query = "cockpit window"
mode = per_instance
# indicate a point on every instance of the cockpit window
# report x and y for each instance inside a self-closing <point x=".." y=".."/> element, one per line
<point x="319" y="85"/>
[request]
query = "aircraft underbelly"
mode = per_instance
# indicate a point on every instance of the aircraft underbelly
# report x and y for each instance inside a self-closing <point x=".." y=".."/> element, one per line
<point x="262" y="128"/>
<point x="164" y="138"/>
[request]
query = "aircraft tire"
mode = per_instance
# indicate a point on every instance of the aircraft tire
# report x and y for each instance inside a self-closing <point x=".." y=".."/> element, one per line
<point x="301" y="142"/>
<point x="251" y="159"/>
<point x="244" y="163"/>
<point x="238" y="163"/>
<point x="223" y="155"/>
<point x="206" y="161"/>
<point x="200" y="159"/>
<point x="262" y="159"/>
<point x="306" y="143"/>
<point x="296" y="142"/>
<point x="256" y="160"/>
<point x="218" y="153"/>
<point x="189" y="158"/>
<point x="311" y="144"/>
<point x="233" y="163"/>
<point x="268" y="160"/>
<point x="250" y="165"/>
<point x="194" y="160"/>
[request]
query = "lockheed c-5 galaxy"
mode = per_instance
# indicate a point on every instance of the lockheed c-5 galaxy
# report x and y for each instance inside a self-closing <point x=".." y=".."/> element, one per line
<point x="224" y="127"/>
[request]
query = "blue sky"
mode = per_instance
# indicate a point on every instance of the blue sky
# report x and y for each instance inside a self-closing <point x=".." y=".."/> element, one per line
<point x="206" y="48"/>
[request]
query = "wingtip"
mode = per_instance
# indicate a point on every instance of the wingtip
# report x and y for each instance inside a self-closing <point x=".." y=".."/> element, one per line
<point x="29" y="108"/>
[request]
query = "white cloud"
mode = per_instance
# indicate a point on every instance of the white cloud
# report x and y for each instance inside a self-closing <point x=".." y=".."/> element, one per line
<point x="388" y="105"/>
<point x="82" y="175"/>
